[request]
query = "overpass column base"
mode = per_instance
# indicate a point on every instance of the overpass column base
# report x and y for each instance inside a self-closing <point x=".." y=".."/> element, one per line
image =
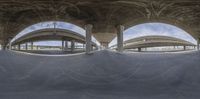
<point x="62" y="48"/>
<point x="66" y="46"/>
<point x="26" y="45"/>
<point x="19" y="47"/>
<point x="198" y="41"/>
<point x="3" y="47"/>
<point x="88" y="29"/>
<point x="139" y="49"/>
<point x="184" y="48"/>
<point x="72" y="45"/>
<point x="120" y="30"/>
<point x="31" y="45"/>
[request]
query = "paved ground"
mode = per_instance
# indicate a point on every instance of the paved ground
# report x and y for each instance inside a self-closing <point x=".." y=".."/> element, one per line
<point x="52" y="52"/>
<point x="102" y="75"/>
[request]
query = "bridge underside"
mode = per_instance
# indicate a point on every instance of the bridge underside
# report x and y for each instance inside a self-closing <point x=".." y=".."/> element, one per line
<point x="49" y="34"/>
<point x="155" y="44"/>
<point x="104" y="15"/>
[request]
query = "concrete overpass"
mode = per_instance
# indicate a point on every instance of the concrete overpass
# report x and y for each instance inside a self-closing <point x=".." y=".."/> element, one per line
<point x="155" y="41"/>
<point x="105" y="19"/>
<point x="51" y="34"/>
<point x="104" y="74"/>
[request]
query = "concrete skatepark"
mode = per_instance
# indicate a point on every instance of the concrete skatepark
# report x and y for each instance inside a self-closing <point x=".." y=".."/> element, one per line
<point x="101" y="75"/>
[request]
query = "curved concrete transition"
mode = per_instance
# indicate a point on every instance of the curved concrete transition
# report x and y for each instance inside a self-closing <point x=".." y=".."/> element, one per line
<point x="102" y="75"/>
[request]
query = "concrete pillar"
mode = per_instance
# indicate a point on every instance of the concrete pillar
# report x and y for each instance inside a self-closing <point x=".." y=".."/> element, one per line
<point x="174" y="47"/>
<point x="10" y="46"/>
<point x="96" y="47"/>
<point x="26" y="46"/>
<point x="19" y="47"/>
<point x="31" y="45"/>
<point x="62" y="47"/>
<point x="88" y="29"/>
<point x="145" y="48"/>
<point x="184" y="48"/>
<point x="83" y="45"/>
<point x="198" y="41"/>
<point x="72" y="45"/>
<point x="139" y="49"/>
<point x="3" y="47"/>
<point x="120" y="30"/>
<point x="14" y="47"/>
<point x="92" y="48"/>
<point x="66" y="46"/>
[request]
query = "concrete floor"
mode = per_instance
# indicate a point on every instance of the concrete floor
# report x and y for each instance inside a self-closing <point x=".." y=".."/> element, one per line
<point x="102" y="75"/>
<point x="52" y="52"/>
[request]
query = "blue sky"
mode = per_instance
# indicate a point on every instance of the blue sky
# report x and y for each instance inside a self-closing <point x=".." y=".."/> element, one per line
<point x="133" y="32"/>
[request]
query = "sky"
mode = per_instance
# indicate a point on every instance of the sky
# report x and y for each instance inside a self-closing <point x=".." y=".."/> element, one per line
<point x="52" y="24"/>
<point x="155" y="29"/>
<point x="133" y="32"/>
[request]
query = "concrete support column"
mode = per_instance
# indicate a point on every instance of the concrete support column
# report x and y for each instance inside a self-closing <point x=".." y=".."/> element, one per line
<point x="198" y="41"/>
<point x="145" y="48"/>
<point x="184" y="48"/>
<point x="83" y="45"/>
<point x="62" y="47"/>
<point x="96" y="47"/>
<point x="66" y="46"/>
<point x="88" y="29"/>
<point x="19" y="47"/>
<point x="120" y="30"/>
<point x="31" y="45"/>
<point x="26" y="46"/>
<point x="72" y="45"/>
<point x="3" y="47"/>
<point x="174" y="47"/>
<point x="15" y="47"/>
<point x="10" y="46"/>
<point x="139" y="49"/>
